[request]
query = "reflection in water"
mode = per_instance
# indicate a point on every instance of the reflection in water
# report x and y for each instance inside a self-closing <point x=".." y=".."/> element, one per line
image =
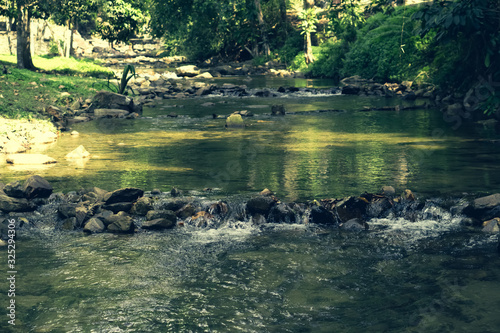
<point x="299" y="156"/>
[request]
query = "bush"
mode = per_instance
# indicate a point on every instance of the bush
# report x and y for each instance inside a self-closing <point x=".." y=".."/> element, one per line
<point x="330" y="61"/>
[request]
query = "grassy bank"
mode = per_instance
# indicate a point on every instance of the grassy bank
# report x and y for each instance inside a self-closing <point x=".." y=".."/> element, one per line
<point x="58" y="81"/>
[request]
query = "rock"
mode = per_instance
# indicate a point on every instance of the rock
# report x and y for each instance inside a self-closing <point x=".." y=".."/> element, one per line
<point x="158" y="224"/>
<point x="128" y="194"/>
<point x="174" y="192"/>
<point x="205" y="75"/>
<point x="491" y="225"/>
<point x="119" y="207"/>
<point x="388" y="191"/>
<point x="408" y="195"/>
<point x="281" y="213"/>
<point x="69" y="224"/>
<point x="173" y="205"/>
<point x="13" y="147"/>
<point x="350" y="208"/>
<point x="114" y="113"/>
<point x="379" y="207"/>
<point x="488" y="202"/>
<point x="454" y="109"/>
<point x="45" y="138"/>
<point x="82" y="215"/>
<point x="67" y="210"/>
<point x="29" y="159"/>
<point x="354" y="225"/>
<point x="186" y="211"/>
<point x="74" y="133"/>
<point x="142" y="206"/>
<point x="244" y="113"/>
<point x="260" y="205"/>
<point x="78" y="153"/>
<point x="109" y="100"/>
<point x="321" y="215"/>
<point x="266" y="192"/>
<point x="161" y="214"/>
<point x="187" y="70"/>
<point x="120" y="223"/>
<point x="37" y="187"/>
<point x="352" y="79"/>
<point x="235" y="121"/>
<point x="351" y="89"/>
<point x="8" y="204"/>
<point x="14" y="190"/>
<point x="278" y="110"/>
<point x="94" y="225"/>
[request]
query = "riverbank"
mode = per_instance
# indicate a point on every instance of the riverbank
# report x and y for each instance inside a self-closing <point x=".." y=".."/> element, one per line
<point x="32" y="204"/>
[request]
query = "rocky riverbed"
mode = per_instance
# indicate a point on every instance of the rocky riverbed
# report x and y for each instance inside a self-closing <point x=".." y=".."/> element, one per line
<point x="32" y="204"/>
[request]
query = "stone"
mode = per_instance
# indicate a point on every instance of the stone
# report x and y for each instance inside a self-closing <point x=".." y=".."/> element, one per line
<point x="9" y="204"/>
<point x="488" y="202"/>
<point x="235" y="121"/>
<point x="174" y="192"/>
<point x="408" y="195"/>
<point x="281" y="213"/>
<point x="491" y="225"/>
<point x="266" y="192"/>
<point x="379" y="207"/>
<point x="186" y="211"/>
<point x="14" y="190"/>
<point x="173" y="205"/>
<point x="78" y="153"/>
<point x="161" y="214"/>
<point x="29" y="159"/>
<point x="69" y="224"/>
<point x="158" y="224"/>
<point x="354" y="225"/>
<point x="278" y="110"/>
<point x="82" y="215"/>
<point x="187" y="70"/>
<point x="142" y="206"/>
<point x="128" y="194"/>
<point x="205" y="75"/>
<point x="119" y="207"/>
<point x="109" y="100"/>
<point x="120" y="223"/>
<point x="388" y="191"/>
<point x="45" y="138"/>
<point x="94" y="225"/>
<point x="321" y="215"/>
<point x="114" y="113"/>
<point x="67" y="210"/>
<point x="351" y="89"/>
<point x="260" y="205"/>
<point x="351" y="207"/>
<point x="37" y="187"/>
<point x="13" y="147"/>
<point x="74" y="133"/>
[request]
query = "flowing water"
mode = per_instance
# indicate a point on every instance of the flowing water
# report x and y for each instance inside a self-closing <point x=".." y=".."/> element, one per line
<point x="433" y="274"/>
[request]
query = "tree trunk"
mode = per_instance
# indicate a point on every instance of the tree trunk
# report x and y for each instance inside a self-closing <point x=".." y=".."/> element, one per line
<point x="284" y="19"/>
<point x="263" y="29"/>
<point x="309" y="54"/>
<point x="68" y="44"/>
<point x="9" y="30"/>
<point x="24" y="60"/>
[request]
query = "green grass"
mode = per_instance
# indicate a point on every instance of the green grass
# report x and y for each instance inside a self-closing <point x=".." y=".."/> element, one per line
<point x="26" y="94"/>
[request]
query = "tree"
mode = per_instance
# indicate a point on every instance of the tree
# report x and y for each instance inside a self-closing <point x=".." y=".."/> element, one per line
<point x="71" y="13"/>
<point x="308" y="21"/>
<point x="120" y="20"/>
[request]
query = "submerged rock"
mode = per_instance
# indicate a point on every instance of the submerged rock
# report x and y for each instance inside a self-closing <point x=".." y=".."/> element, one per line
<point x="79" y="152"/>
<point x="278" y="110"/>
<point x="235" y="121"/>
<point x="158" y="224"/>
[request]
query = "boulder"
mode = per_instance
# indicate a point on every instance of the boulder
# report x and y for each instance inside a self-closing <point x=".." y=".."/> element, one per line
<point x="82" y="215"/>
<point x="69" y="224"/>
<point x="14" y="147"/>
<point x="37" y="187"/>
<point x="388" y="191"/>
<point x="120" y="223"/>
<point x="205" y="75"/>
<point x="29" y="159"/>
<point x="158" y="224"/>
<point x="235" y="121"/>
<point x="14" y="190"/>
<point x="78" y="153"/>
<point x="114" y="113"/>
<point x="66" y="210"/>
<point x="260" y="205"/>
<point x="9" y="204"/>
<point x="187" y="70"/>
<point x="119" y="207"/>
<point x="281" y="213"/>
<point x="186" y="211"/>
<point x="142" y="206"/>
<point x="350" y="208"/>
<point x="321" y="215"/>
<point x="484" y="208"/>
<point x="109" y="100"/>
<point x="128" y="194"/>
<point x="278" y="110"/>
<point x="161" y="214"/>
<point x="491" y="225"/>
<point x="94" y="225"/>
<point x="488" y="202"/>
<point x="351" y="89"/>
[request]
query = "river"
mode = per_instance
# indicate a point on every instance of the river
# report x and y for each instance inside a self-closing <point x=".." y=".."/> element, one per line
<point x="433" y="274"/>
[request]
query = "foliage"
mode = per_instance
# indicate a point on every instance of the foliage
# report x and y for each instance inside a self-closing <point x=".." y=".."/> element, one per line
<point x="308" y="21"/>
<point x="120" y="20"/>
<point x="345" y="17"/>
<point x="330" y="60"/>
<point x="127" y="75"/>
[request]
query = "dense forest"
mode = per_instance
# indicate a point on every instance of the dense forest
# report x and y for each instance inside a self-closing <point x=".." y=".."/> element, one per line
<point x="449" y="44"/>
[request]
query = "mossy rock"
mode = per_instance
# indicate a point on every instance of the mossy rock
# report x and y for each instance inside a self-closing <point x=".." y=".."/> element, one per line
<point x="235" y="121"/>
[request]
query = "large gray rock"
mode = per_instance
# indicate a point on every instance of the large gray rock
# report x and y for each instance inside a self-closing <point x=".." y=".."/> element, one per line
<point x="350" y="208"/>
<point x="281" y="213"/>
<point x="110" y="100"/>
<point x="128" y="194"/>
<point x="114" y="113"/>
<point x="14" y="190"/>
<point x="321" y="215"/>
<point x="94" y="225"/>
<point x="142" y="206"/>
<point x="488" y="202"/>
<point x="37" y="187"/>
<point x="9" y="204"/>
<point x="66" y="210"/>
<point x="159" y="224"/>
<point x="161" y="214"/>
<point x="187" y="70"/>
<point x="120" y="223"/>
<point x="119" y="207"/>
